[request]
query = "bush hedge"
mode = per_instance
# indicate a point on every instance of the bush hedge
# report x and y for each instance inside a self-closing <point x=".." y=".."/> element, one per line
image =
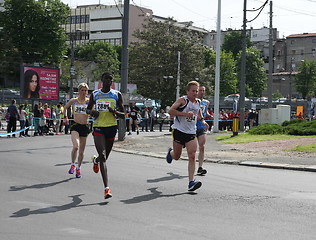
<point x="266" y="129"/>
<point x="293" y="127"/>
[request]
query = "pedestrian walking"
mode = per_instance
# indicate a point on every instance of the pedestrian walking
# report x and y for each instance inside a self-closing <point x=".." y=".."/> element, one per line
<point x="109" y="105"/>
<point x="79" y="129"/>
<point x="186" y="110"/>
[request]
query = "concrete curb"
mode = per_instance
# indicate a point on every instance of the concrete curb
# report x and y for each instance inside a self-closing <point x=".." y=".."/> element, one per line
<point x="310" y="168"/>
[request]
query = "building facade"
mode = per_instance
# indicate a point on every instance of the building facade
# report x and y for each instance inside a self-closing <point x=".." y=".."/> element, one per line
<point x="90" y="23"/>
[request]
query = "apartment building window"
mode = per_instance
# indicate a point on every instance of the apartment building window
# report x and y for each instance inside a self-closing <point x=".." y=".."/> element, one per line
<point x="314" y="41"/>
<point x="82" y="18"/>
<point x="72" y="20"/>
<point x="78" y="19"/>
<point x="314" y="52"/>
<point x="293" y="52"/>
<point x="302" y="52"/>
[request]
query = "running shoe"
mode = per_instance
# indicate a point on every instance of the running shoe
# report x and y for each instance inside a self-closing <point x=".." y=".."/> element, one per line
<point x="107" y="193"/>
<point x="72" y="169"/>
<point x="169" y="157"/>
<point x="193" y="185"/>
<point x="96" y="166"/>
<point x="201" y="171"/>
<point x="78" y="175"/>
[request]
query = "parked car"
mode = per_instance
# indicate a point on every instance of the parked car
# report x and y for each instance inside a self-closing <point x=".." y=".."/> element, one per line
<point x="232" y="97"/>
<point x="262" y="99"/>
<point x="281" y="100"/>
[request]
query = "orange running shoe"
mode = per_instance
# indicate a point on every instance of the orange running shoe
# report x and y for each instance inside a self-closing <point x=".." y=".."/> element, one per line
<point x="96" y="166"/>
<point x="107" y="193"/>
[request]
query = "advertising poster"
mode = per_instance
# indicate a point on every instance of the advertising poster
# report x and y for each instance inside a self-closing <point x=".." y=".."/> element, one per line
<point x="39" y="82"/>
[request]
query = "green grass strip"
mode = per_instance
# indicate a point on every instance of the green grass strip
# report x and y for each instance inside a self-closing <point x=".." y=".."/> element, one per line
<point x="304" y="148"/>
<point x="246" y="137"/>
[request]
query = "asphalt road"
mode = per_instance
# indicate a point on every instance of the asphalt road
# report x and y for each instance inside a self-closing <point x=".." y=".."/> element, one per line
<point x="40" y="200"/>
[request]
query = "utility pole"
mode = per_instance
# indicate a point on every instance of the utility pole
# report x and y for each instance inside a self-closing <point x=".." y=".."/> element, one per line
<point x="72" y="66"/>
<point x="124" y="70"/>
<point x="243" y="71"/>
<point x="178" y="77"/>
<point x="217" y="68"/>
<point x="73" y="37"/>
<point x="270" y="82"/>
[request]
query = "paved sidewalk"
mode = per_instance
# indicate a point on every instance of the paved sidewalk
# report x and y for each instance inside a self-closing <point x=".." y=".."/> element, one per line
<point x="156" y="144"/>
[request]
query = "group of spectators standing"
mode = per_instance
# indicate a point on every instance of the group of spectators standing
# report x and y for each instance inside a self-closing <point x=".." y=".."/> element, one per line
<point x="46" y="119"/>
<point x="145" y="118"/>
<point x="225" y="118"/>
<point x="49" y="120"/>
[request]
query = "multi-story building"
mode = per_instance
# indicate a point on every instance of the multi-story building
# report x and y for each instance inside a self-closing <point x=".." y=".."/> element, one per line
<point x="90" y="23"/>
<point x="288" y="54"/>
<point x="300" y="47"/>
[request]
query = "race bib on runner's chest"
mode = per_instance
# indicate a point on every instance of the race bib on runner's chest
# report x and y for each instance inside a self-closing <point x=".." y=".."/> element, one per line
<point x="103" y="106"/>
<point x="80" y="108"/>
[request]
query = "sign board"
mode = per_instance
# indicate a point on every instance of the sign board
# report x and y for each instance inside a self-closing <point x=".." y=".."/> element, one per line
<point x="39" y="82"/>
<point x="148" y="103"/>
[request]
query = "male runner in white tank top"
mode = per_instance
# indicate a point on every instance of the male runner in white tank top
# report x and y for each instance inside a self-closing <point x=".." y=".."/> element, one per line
<point x="186" y="111"/>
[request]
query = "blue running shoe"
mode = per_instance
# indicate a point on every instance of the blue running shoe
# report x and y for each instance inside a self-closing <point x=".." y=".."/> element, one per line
<point x="193" y="185"/>
<point x="169" y="157"/>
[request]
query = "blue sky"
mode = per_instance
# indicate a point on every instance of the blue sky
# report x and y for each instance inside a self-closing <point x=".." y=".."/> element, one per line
<point x="289" y="16"/>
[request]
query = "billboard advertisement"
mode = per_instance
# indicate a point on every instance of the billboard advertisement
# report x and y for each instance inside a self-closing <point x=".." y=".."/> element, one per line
<point x="39" y="82"/>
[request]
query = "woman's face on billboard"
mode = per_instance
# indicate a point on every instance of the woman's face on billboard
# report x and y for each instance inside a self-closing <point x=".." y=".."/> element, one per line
<point x="33" y="83"/>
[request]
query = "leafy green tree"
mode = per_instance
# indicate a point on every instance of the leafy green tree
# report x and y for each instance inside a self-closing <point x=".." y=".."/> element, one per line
<point x="233" y="43"/>
<point x="33" y="29"/>
<point x="228" y="76"/>
<point x="305" y="80"/>
<point x="105" y="55"/>
<point x="155" y="58"/>
<point x="256" y="77"/>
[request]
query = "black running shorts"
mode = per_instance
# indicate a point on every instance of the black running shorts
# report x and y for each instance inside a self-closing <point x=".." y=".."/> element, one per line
<point x="181" y="137"/>
<point x="82" y="129"/>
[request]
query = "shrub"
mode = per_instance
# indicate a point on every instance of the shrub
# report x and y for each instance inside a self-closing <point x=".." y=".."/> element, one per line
<point x="301" y="128"/>
<point x="266" y="129"/>
<point x="293" y="121"/>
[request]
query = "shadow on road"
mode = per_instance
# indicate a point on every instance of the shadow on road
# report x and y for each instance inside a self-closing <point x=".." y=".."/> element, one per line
<point x="153" y="195"/>
<point x="168" y="178"/>
<point x="38" y="186"/>
<point x="76" y="200"/>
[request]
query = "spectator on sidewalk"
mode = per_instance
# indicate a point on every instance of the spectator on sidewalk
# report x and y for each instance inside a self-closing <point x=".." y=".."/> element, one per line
<point x="162" y="116"/>
<point x="37" y="116"/>
<point x="153" y="115"/>
<point x="28" y="118"/>
<point x="13" y="116"/>
<point x="134" y="111"/>
<point x="22" y="119"/>
<point x="145" y="116"/>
